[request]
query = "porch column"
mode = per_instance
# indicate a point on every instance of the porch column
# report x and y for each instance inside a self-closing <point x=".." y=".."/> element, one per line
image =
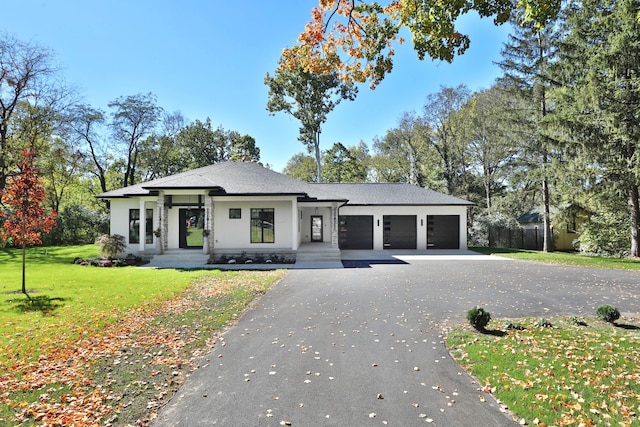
<point x="295" y="220"/>
<point x="142" y="237"/>
<point x="162" y="220"/>
<point x="334" y="226"/>
<point x="207" y="245"/>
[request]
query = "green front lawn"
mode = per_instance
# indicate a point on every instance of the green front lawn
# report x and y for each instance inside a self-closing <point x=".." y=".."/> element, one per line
<point x="73" y="299"/>
<point x="562" y="258"/>
<point x="107" y="346"/>
<point x="564" y="375"/>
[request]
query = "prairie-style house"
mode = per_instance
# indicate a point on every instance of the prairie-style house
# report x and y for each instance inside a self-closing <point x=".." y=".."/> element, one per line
<point x="231" y="208"/>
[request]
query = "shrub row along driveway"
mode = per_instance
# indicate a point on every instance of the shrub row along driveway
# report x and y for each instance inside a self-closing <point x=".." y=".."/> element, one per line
<point x="364" y="346"/>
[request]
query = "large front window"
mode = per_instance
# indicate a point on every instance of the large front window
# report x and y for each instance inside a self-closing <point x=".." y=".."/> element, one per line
<point x="134" y="226"/>
<point x="262" y="227"/>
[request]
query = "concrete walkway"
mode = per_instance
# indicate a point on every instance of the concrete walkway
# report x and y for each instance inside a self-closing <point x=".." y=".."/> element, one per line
<point x="185" y="259"/>
<point x="365" y="346"/>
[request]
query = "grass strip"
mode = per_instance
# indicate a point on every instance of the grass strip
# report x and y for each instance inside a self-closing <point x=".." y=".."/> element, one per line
<point x="562" y="258"/>
<point x="576" y="372"/>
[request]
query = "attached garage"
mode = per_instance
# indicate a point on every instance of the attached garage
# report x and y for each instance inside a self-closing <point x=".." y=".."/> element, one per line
<point x="355" y="232"/>
<point x="443" y="231"/>
<point x="385" y="216"/>
<point x="399" y="232"/>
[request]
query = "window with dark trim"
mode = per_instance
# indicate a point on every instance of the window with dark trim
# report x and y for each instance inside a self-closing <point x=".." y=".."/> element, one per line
<point x="134" y="226"/>
<point x="235" y="213"/>
<point x="262" y="225"/>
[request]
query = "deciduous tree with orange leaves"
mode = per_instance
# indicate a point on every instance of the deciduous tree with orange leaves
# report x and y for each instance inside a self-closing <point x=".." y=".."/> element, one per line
<point x="23" y="211"/>
<point x="357" y="38"/>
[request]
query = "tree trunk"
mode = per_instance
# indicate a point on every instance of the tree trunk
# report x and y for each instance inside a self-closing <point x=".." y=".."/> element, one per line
<point x="318" y="159"/>
<point x="547" y="242"/>
<point x="487" y="191"/>
<point x="634" y="207"/>
<point x="413" y="164"/>
<point x="24" y="264"/>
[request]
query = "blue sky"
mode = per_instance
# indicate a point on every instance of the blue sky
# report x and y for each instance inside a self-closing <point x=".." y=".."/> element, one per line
<point x="208" y="58"/>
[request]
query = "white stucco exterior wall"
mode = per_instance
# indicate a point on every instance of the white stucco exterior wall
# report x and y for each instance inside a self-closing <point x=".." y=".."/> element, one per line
<point x="235" y="233"/>
<point x="119" y="220"/>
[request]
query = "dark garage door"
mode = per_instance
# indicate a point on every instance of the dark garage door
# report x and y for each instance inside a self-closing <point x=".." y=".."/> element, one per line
<point x="443" y="231"/>
<point x="356" y="232"/>
<point x="399" y="231"/>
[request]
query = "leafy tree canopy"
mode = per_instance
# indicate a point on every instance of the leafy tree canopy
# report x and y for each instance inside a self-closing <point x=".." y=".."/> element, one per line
<point x="358" y="38"/>
<point x="308" y="97"/>
<point x="25" y="217"/>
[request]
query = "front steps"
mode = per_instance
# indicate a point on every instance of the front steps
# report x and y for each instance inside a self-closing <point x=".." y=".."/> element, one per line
<point x="179" y="258"/>
<point x="308" y="256"/>
<point x="318" y="255"/>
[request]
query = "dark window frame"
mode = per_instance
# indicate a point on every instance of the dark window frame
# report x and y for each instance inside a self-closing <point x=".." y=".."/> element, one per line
<point x="134" y="226"/>
<point x="262" y="227"/>
<point x="235" y="213"/>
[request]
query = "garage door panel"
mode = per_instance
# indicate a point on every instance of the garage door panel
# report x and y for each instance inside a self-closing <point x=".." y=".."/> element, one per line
<point x="399" y="232"/>
<point x="443" y="232"/>
<point x="356" y="232"/>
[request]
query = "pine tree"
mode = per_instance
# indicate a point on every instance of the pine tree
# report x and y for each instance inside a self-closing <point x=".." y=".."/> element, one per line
<point x="600" y="98"/>
<point x="527" y="57"/>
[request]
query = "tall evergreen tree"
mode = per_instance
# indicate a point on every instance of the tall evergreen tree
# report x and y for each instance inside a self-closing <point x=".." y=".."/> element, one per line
<point x="341" y="165"/>
<point x="527" y="57"/>
<point x="600" y="98"/>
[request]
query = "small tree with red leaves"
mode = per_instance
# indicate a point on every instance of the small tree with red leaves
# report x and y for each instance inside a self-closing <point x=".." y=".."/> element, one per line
<point x="25" y="217"/>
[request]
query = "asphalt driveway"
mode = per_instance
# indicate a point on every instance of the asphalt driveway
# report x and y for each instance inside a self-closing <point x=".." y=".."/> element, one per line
<point x="364" y="345"/>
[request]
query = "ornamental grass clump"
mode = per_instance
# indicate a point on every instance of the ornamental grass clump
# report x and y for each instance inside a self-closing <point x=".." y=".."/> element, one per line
<point x="608" y="313"/>
<point x="478" y="318"/>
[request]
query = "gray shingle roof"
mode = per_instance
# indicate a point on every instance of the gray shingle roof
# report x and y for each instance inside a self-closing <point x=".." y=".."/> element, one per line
<point x="230" y="177"/>
<point x="251" y="178"/>
<point x="390" y="194"/>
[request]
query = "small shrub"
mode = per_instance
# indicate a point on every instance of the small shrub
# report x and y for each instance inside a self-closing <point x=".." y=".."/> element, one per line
<point x="577" y="321"/>
<point x="111" y="246"/>
<point x="608" y="313"/>
<point x="478" y="317"/>
<point x="508" y="326"/>
<point x="543" y="323"/>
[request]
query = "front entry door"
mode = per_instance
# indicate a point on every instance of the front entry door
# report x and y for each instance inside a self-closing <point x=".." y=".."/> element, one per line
<point x="316" y="228"/>
<point x="191" y="227"/>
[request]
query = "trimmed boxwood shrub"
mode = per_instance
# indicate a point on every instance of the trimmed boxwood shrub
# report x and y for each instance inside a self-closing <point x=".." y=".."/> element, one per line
<point x="478" y="318"/>
<point x="608" y="313"/>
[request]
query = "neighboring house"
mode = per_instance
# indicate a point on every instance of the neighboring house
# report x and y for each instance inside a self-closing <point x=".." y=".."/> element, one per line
<point x="230" y="208"/>
<point x="567" y="220"/>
